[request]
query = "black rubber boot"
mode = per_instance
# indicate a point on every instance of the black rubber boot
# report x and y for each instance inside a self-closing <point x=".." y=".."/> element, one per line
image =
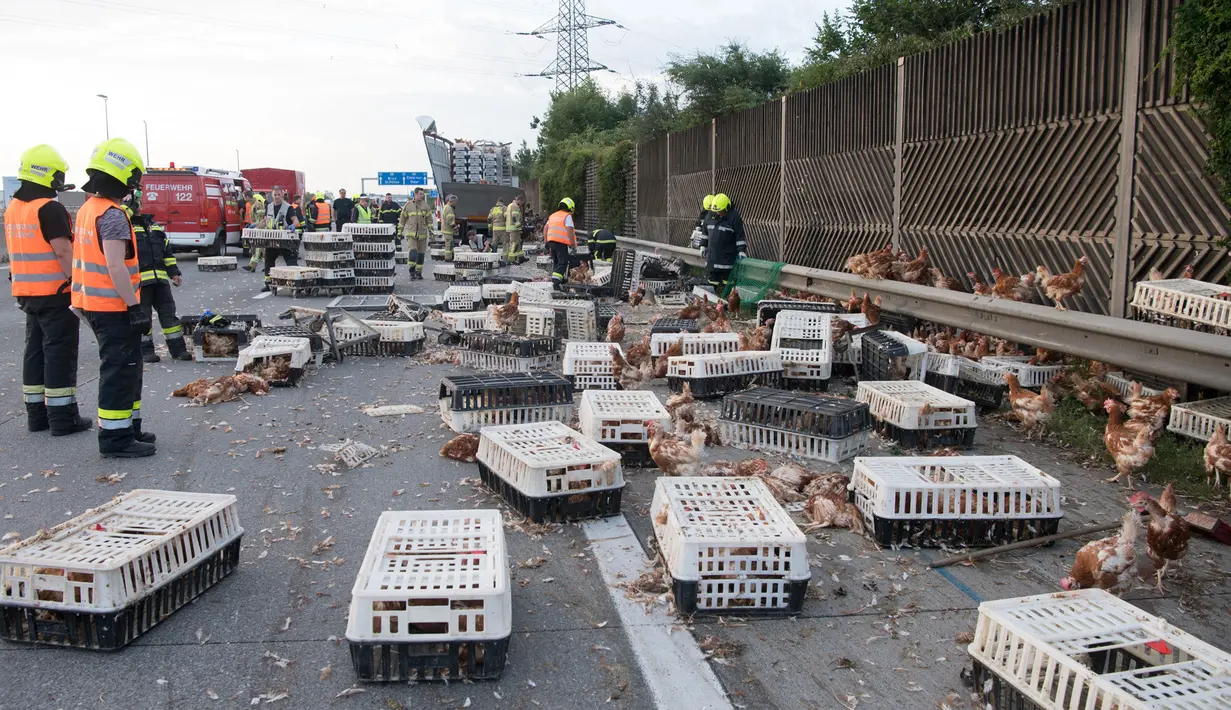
<point x="145" y="437"/>
<point x="147" y="351"/>
<point x="179" y="349"/>
<point x="120" y="444"/>
<point x="36" y="416"/>
<point x="66" y="419"/>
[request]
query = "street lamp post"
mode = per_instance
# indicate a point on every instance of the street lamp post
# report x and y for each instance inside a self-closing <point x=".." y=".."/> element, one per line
<point x="147" y="142"/>
<point x="237" y="159"/>
<point x="106" y="116"/>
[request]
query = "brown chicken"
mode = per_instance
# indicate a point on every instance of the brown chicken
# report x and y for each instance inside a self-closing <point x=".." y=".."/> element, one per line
<point x="682" y="407"/>
<point x="1005" y="285"/>
<point x="1131" y="447"/>
<point x="733" y="303"/>
<point x="872" y="309"/>
<point x="1153" y="412"/>
<point x="276" y="368"/>
<point x="977" y="349"/>
<point x="840" y="331"/>
<point x="639" y="353"/>
<point x="615" y="329"/>
<point x="854" y="304"/>
<point x="673" y="456"/>
<point x="505" y="315"/>
<point x="1062" y="287"/>
<point x="1042" y="356"/>
<point x="1093" y="392"/>
<point x="743" y="469"/>
<point x="675" y="349"/>
<point x="793" y="475"/>
<point x="690" y="312"/>
<point x="1189" y="272"/>
<point x="917" y="270"/>
<point x="828" y="510"/>
<point x="981" y="287"/>
<point x="1032" y="410"/>
<point x="579" y="274"/>
<point x="783" y="492"/>
<point x="636" y="297"/>
<point x="630" y="377"/>
<point x="874" y="264"/>
<point x="219" y="345"/>
<point x="939" y="280"/>
<point x="711" y="311"/>
<point x="1109" y="563"/>
<point x="207" y="391"/>
<point x="1217" y="457"/>
<point x="720" y="324"/>
<point x="1026" y="286"/>
<point x="831" y="484"/>
<point x="1167" y="534"/>
<point x="462" y="448"/>
<point x="761" y="337"/>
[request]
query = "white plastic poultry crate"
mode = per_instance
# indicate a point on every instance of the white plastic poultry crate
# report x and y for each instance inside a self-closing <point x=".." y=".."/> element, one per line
<point x="469" y="402"/>
<point x="1198" y="420"/>
<point x="695" y="343"/>
<point x="1089" y="649"/>
<point x="374" y="250"/>
<point x="729" y="546"/>
<point x="374" y="284"/>
<point x="295" y="274"/>
<point x="955" y="500"/>
<point x="1124" y="385"/>
<point x="544" y="261"/>
<point x="463" y="298"/>
<point x="620" y="421"/>
<point x="270" y="238"/>
<point x="706" y="294"/>
<point x="369" y="230"/>
<point x="106" y="576"/>
<point x="493" y="362"/>
<point x="532" y="292"/>
<point x="432" y="600"/>
<point x="914" y="413"/>
<point x="671" y="300"/>
<point x="711" y="376"/>
<point x="1185" y="299"/>
<point x="329" y="259"/>
<point x="443" y="271"/>
<point x="591" y="365"/>
<point x="476" y="260"/>
<point x="217" y="263"/>
<point x="327" y="241"/>
<point x="944" y="364"/>
<point x="1030" y="376"/>
<point x="264" y="347"/>
<point x="879" y="361"/>
<point x="575" y="320"/>
<point x="437" y="254"/>
<point x="496" y="293"/>
<point x="401" y="257"/>
<point x="466" y="321"/>
<point x="549" y="472"/>
<point x="830" y="429"/>
<point x="531" y="320"/>
<point x="397" y="338"/>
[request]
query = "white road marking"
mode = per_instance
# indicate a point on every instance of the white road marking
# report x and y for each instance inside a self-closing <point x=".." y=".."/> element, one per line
<point x="265" y="294"/>
<point x="674" y="668"/>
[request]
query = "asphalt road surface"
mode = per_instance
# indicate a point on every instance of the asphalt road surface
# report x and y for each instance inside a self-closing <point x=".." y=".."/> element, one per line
<point x="878" y="629"/>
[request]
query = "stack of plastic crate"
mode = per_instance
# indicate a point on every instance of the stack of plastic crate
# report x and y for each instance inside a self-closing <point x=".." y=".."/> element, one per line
<point x="105" y="577"/>
<point x="830" y="429"/>
<point x="374" y="249"/>
<point x="217" y="263"/>
<point x="729" y="546"/>
<point x="476" y="260"/>
<point x="401" y="258"/>
<point x="1028" y="376"/>
<point x="443" y="272"/>
<point x="224" y="341"/>
<point x="463" y="298"/>
<point x="886" y="355"/>
<point x="432" y="599"/>
<point x="674" y="325"/>
<point x="1185" y="302"/>
<point x="711" y="376"/>
<point x="1089" y="649"/>
<point x="917" y="415"/>
<point x="981" y="383"/>
<point x="295" y="281"/>
<point x="694" y="343"/>
<point x="270" y="239"/>
<point x="936" y="501"/>
<point x="532" y="292"/>
<point x="620" y="421"/>
<point x="804" y="339"/>
<point x="332" y="253"/>
<point x="296" y="353"/>
<point x="471" y="402"/>
<point x="769" y="308"/>
<point x="397" y="338"/>
<point x="501" y="352"/>
<point x="590" y="365"/>
<point x="550" y="473"/>
<point x="1198" y="420"/>
<point x="531" y="320"/>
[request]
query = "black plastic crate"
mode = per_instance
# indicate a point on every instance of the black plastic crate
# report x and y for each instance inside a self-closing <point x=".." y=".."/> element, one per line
<point x="436" y="275"/>
<point x="947" y="383"/>
<point x="592" y="290"/>
<point x="805" y="384"/>
<point x="888" y="532"/>
<point x="211" y="268"/>
<point x="927" y="438"/>
<point x="713" y="387"/>
<point x="108" y="631"/>
<point x="622" y="271"/>
<point x="390" y="271"/>
<point x="498" y="279"/>
<point x="686" y="597"/>
<point x="483" y="341"/>
<point x="337" y="284"/>
<point x="826" y="417"/>
<point x="603" y="315"/>
<point x="879" y="352"/>
<point x="633" y="453"/>
<point x="1004" y="696"/>
<point x="770" y="308"/>
<point x="190" y="323"/>
<point x="371" y="290"/>
<point x="292" y="331"/>
<point x="379" y="348"/>
<point x="469" y="393"/>
<point x="561" y="508"/>
<point x="675" y="325"/>
<point x="898" y="322"/>
<point x="434" y="660"/>
<point x="984" y="396"/>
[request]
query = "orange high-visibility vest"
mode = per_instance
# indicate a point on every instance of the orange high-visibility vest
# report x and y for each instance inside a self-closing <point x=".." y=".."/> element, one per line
<point x="34" y="266"/>
<point x="556" y="230"/>
<point x="92" y="286"/>
<point x="323" y="212"/>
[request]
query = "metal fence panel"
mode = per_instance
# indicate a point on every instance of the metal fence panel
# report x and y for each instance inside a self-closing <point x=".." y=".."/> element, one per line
<point x="748" y="161"/>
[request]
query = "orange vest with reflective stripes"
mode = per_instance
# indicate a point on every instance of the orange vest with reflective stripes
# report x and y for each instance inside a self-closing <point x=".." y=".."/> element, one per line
<point x="92" y="287"/>
<point x="556" y="230"/>
<point x="323" y="212"/>
<point x="33" y="265"/>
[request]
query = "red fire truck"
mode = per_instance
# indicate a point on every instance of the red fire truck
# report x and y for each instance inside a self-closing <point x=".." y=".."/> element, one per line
<point x="198" y="207"/>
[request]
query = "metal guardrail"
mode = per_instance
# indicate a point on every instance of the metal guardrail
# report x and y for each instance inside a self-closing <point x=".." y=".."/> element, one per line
<point x="1170" y="353"/>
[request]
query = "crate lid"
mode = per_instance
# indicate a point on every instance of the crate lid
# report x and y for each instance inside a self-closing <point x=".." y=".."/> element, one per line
<point x="953" y="472"/>
<point x="913" y="392"/>
<point x="728" y="509"/>
<point x="624" y="404"/>
<point x="417" y="553"/>
<point x="548" y="445"/>
<point x="814" y="414"/>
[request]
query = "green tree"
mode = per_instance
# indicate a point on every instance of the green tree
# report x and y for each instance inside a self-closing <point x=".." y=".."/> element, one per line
<point x="523" y="161"/>
<point x="731" y="80"/>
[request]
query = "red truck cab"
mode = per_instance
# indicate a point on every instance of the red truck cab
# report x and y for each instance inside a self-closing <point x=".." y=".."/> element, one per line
<point x="198" y="207"/>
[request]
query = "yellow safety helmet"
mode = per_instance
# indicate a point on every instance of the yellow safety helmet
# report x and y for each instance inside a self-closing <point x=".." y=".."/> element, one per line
<point x="320" y="195"/>
<point x="43" y="165"/>
<point x="568" y="204"/>
<point x="259" y="198"/>
<point x="708" y="202"/>
<point x="721" y="202"/>
<point x="119" y="159"/>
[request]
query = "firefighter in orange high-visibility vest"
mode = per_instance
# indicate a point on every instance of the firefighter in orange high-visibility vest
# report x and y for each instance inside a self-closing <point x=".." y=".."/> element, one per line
<point x="561" y="239"/>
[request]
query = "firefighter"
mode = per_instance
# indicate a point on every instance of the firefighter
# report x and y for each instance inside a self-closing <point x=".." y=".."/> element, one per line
<point x="363" y="211"/>
<point x="256" y="214"/>
<point x="602" y="244"/>
<point x="448" y="225"/>
<point x="279" y="215"/>
<point x="413" y="223"/>
<point x="387" y="213"/>
<point x="105" y="279"/>
<point x="705" y="221"/>
<point x="39" y="234"/>
<point x="512" y="229"/>
<point x="561" y="239"/>
<point x="725" y="243"/>
<point x="495" y="227"/>
<point x="320" y="214"/>
<point x="158" y="271"/>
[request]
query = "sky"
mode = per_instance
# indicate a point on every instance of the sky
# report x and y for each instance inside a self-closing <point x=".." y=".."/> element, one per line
<point x="329" y="87"/>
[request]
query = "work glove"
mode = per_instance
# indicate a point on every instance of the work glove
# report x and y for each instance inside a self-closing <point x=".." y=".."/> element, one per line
<point x="742" y="255"/>
<point x="703" y="252"/>
<point x="696" y="236"/>
<point x="139" y="320"/>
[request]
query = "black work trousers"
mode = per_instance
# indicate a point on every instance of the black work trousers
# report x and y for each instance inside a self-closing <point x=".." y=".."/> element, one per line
<point x="559" y="262"/>
<point x="718" y="279"/>
<point x="119" y="375"/>
<point x="50" y="365"/>
<point x="603" y="251"/>
<point x="290" y="257"/>
<point x="157" y="297"/>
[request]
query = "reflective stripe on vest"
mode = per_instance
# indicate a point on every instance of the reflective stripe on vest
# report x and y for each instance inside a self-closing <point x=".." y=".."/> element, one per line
<point x="92" y="286"/>
<point x="513" y="219"/>
<point x="323" y="213"/>
<point x="557" y="230"/>
<point x="34" y="266"/>
<point x="365" y="214"/>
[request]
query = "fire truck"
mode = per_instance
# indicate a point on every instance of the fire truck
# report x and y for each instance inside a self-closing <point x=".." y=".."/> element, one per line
<point x="198" y="207"/>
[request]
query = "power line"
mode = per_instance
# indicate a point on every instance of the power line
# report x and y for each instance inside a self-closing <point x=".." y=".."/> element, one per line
<point x="572" y="26"/>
